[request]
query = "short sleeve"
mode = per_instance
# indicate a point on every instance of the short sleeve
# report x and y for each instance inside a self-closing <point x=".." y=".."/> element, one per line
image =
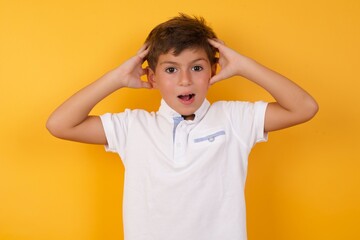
<point x="259" y="117"/>
<point x="115" y="128"/>
<point x="248" y="121"/>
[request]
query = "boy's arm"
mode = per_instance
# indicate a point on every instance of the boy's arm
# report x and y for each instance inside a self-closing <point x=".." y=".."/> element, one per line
<point x="71" y="120"/>
<point x="293" y="104"/>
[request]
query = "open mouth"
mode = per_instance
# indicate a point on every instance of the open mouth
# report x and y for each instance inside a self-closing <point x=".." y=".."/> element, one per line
<point x="187" y="97"/>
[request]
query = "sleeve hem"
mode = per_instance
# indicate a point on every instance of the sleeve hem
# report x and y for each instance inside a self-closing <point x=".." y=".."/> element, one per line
<point x="260" y="112"/>
<point x="109" y="133"/>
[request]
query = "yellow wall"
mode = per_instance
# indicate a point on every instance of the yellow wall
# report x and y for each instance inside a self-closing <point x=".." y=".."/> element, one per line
<point x="303" y="184"/>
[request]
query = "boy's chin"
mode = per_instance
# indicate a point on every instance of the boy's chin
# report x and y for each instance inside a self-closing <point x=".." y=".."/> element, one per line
<point x="188" y="111"/>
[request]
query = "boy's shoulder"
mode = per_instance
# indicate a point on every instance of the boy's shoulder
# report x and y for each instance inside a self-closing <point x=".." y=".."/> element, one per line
<point x="130" y="114"/>
<point x="236" y="110"/>
<point x="236" y="104"/>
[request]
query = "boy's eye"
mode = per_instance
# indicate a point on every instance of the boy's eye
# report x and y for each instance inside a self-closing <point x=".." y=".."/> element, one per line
<point x="197" y="68"/>
<point x="170" y="70"/>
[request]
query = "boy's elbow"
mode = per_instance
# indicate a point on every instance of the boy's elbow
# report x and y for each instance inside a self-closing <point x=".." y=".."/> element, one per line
<point x="311" y="109"/>
<point x="54" y="128"/>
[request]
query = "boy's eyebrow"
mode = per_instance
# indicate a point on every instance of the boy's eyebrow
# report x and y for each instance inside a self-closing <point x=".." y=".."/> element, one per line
<point x="175" y="63"/>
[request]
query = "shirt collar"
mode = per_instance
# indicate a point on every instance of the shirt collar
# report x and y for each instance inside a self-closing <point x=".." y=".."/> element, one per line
<point x="168" y="112"/>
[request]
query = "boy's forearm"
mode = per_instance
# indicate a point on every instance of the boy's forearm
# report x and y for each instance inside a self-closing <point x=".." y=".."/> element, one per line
<point x="297" y="105"/>
<point x="293" y="104"/>
<point x="71" y="119"/>
<point x="76" y="109"/>
<point x="285" y="92"/>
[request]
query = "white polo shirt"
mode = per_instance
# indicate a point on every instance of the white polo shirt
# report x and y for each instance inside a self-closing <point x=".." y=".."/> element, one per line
<point x="185" y="179"/>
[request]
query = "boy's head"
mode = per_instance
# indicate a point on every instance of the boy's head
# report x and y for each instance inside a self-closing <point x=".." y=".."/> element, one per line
<point x="177" y="34"/>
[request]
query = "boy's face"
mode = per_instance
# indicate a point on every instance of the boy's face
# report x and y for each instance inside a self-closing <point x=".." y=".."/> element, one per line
<point x="183" y="80"/>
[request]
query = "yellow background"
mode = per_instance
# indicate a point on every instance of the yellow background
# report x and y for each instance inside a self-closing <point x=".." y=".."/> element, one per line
<point x="303" y="184"/>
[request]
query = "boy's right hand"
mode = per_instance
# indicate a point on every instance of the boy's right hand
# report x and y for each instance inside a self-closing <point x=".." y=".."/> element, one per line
<point x="71" y="120"/>
<point x="129" y="73"/>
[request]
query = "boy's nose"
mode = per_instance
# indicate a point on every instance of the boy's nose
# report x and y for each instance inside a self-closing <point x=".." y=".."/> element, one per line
<point x="185" y="79"/>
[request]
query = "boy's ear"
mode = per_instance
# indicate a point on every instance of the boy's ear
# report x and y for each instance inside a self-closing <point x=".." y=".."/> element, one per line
<point x="213" y="69"/>
<point x="151" y="77"/>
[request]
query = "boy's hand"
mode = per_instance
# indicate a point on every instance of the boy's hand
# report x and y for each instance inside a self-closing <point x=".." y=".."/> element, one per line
<point x="230" y="61"/>
<point x="129" y="73"/>
<point x="293" y="104"/>
<point x="72" y="119"/>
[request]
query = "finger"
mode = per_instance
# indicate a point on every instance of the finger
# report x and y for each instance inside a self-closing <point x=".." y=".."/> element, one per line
<point x="143" y="48"/>
<point x="216" y="42"/>
<point x="220" y="41"/>
<point x="143" y="51"/>
<point x="143" y="54"/>
<point x="213" y="42"/>
<point x="215" y="79"/>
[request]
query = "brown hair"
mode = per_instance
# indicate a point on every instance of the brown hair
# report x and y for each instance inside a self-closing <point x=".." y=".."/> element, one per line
<point x="177" y="34"/>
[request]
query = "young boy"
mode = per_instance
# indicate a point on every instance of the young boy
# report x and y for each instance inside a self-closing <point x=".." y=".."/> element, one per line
<point x="186" y="164"/>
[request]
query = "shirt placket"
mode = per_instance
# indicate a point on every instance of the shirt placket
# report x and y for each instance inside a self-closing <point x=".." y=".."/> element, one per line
<point x="180" y="141"/>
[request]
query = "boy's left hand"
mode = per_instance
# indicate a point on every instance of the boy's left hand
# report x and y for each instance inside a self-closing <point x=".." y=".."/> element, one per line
<point x="230" y="61"/>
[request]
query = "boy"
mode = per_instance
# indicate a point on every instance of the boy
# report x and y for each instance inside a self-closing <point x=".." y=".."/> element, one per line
<point x="186" y="164"/>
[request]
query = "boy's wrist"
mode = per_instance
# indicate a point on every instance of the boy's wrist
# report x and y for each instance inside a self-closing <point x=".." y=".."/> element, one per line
<point x="113" y="79"/>
<point x="247" y="67"/>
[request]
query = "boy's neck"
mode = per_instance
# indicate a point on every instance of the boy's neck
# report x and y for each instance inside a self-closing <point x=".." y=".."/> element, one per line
<point x="188" y="117"/>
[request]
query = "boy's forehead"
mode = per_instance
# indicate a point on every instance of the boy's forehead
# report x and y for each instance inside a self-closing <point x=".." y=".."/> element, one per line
<point x="188" y="54"/>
